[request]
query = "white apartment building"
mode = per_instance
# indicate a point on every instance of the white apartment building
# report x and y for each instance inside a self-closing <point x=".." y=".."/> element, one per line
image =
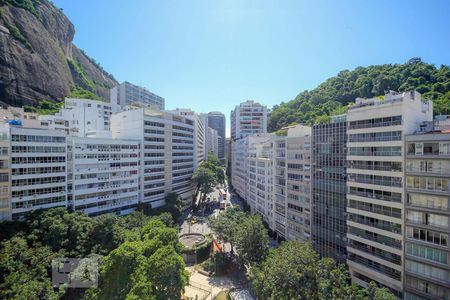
<point x="375" y="207"/>
<point x="5" y="175"/>
<point x="212" y="144"/>
<point x="82" y="118"/>
<point x="248" y="118"/>
<point x="167" y="151"/>
<point x="298" y="183"/>
<point x="239" y="162"/>
<point x="38" y="167"/>
<point x="273" y="175"/>
<point x="103" y="175"/>
<point x="260" y="179"/>
<point x="130" y="94"/>
<point x="200" y="141"/>
<point x="279" y="163"/>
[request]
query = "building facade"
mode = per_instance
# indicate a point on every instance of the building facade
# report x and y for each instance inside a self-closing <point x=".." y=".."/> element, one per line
<point x="167" y="151"/>
<point x="427" y="231"/>
<point x="82" y="118"/>
<point x="376" y="130"/>
<point x="259" y="194"/>
<point x="298" y="183"/>
<point x="38" y="162"/>
<point x="212" y="144"/>
<point x="5" y="175"/>
<point x="216" y="121"/>
<point x="329" y="195"/>
<point x="200" y="140"/>
<point x="103" y="175"/>
<point x="129" y="94"/>
<point x="248" y="118"/>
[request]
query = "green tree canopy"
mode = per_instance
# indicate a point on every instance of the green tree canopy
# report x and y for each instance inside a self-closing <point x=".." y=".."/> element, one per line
<point x="252" y="240"/>
<point x="294" y="271"/>
<point x="205" y="180"/>
<point x="332" y="96"/>
<point x="148" y="268"/>
<point x="225" y="225"/>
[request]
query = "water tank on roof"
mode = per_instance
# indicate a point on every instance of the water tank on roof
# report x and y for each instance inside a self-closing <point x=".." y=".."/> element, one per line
<point x="16" y="122"/>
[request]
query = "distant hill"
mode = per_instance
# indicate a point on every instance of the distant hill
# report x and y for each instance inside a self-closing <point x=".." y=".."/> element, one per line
<point x="332" y="96"/>
<point x="38" y="60"/>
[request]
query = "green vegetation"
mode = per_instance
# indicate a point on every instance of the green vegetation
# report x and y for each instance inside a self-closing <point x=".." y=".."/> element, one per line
<point x="29" y="5"/>
<point x="97" y="64"/>
<point x="223" y="295"/>
<point x="15" y="32"/>
<point x="76" y="67"/>
<point x="140" y="255"/>
<point x="45" y="107"/>
<point x="174" y="205"/>
<point x="252" y="241"/>
<point x="291" y="271"/>
<point x="208" y="175"/>
<point x="333" y="96"/>
<point x="226" y="224"/>
<point x="294" y="271"/>
<point x="79" y="92"/>
<point x="146" y="266"/>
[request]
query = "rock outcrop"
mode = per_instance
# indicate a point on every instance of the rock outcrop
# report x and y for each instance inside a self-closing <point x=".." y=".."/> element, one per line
<point x="38" y="60"/>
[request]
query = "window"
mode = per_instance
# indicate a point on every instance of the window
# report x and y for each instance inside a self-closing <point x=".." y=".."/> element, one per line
<point x="429" y="236"/>
<point x="431" y="201"/>
<point x="444" y="148"/>
<point x="427" y="270"/>
<point x="427" y="253"/>
<point x="419" y="149"/>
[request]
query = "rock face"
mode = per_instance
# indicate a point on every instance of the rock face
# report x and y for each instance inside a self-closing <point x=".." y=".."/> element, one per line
<point x="38" y="60"/>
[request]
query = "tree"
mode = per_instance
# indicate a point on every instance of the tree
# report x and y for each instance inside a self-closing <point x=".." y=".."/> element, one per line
<point x="214" y="165"/>
<point x="205" y="180"/>
<point x="252" y="240"/>
<point x="62" y="230"/>
<point x="294" y="271"/>
<point x="226" y="224"/>
<point x="148" y="268"/>
<point x="174" y="205"/>
<point x="372" y="81"/>
<point x="25" y="271"/>
<point x="376" y="293"/>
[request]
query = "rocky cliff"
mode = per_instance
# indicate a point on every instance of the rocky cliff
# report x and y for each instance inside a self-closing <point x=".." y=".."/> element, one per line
<point x="38" y="60"/>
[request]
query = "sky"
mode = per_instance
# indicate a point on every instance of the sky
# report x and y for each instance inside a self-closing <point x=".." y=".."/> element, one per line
<point x="210" y="55"/>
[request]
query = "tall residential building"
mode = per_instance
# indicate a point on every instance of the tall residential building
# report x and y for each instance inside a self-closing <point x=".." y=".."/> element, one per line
<point x="248" y="118"/>
<point x="376" y="130"/>
<point x="167" y="151"/>
<point x="216" y="121"/>
<point x="298" y="183"/>
<point x="200" y="134"/>
<point x="279" y="189"/>
<point x="129" y="94"/>
<point x="259" y="194"/>
<point x="5" y="175"/>
<point x="239" y="162"/>
<point x="427" y="246"/>
<point x="273" y="175"/>
<point x="329" y="195"/>
<point x="38" y="160"/>
<point x="212" y="144"/>
<point x="103" y="175"/>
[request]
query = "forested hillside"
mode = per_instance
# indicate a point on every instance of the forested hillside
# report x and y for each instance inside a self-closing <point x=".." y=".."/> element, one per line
<point x="333" y="96"/>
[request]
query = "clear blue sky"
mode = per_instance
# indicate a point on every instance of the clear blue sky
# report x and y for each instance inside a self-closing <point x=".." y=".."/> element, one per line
<point x="209" y="55"/>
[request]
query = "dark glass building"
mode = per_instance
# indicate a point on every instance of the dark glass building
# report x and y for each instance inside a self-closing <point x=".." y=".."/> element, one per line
<point x="329" y="150"/>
